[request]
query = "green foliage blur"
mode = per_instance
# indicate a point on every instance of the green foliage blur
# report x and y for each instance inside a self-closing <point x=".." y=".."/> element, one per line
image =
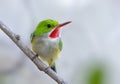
<point x="95" y="76"/>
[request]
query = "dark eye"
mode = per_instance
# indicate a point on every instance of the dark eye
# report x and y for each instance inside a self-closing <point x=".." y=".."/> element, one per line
<point x="48" y="25"/>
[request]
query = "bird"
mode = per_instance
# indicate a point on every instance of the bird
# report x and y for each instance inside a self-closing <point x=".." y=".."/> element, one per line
<point x="46" y="41"/>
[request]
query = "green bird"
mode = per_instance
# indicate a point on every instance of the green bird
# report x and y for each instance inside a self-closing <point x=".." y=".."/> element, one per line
<point x="46" y="41"/>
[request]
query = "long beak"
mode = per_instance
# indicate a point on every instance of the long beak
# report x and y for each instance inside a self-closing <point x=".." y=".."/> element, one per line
<point x="63" y="24"/>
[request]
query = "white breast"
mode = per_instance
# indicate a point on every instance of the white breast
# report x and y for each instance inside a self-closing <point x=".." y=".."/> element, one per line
<point x="45" y="46"/>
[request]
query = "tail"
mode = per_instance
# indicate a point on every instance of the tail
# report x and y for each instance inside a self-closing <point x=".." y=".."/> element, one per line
<point x="53" y="67"/>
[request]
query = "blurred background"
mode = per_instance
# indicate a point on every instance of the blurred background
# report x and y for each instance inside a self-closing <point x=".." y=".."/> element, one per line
<point x="91" y="42"/>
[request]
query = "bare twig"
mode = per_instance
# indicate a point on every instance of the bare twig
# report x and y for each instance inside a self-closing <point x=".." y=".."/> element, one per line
<point x="41" y="66"/>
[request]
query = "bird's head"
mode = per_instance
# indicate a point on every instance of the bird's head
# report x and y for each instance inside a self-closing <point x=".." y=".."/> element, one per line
<point x="50" y="27"/>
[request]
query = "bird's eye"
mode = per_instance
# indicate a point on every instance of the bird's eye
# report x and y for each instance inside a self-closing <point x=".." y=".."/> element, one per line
<point x="48" y="25"/>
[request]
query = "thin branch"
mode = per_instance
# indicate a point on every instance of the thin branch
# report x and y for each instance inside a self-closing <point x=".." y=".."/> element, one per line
<point x="41" y="66"/>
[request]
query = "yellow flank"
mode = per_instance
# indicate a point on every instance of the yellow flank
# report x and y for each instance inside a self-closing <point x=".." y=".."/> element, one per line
<point x="51" y="60"/>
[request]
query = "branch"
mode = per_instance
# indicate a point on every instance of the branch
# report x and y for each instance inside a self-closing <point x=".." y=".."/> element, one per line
<point x="41" y="66"/>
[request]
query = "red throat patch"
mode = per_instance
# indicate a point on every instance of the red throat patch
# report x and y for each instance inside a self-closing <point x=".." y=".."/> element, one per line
<point x="55" y="33"/>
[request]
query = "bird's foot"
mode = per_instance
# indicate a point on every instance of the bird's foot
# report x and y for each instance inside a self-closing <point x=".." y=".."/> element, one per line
<point x="34" y="57"/>
<point x="46" y="69"/>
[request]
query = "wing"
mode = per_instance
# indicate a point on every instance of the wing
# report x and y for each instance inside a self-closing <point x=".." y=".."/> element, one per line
<point x="31" y="37"/>
<point x="60" y="44"/>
